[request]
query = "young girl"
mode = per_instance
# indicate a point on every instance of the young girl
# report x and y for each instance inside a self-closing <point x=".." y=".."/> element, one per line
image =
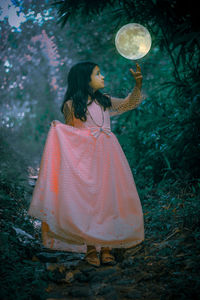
<point x="85" y="193"/>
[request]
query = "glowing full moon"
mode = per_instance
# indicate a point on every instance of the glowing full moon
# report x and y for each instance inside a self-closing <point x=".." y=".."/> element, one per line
<point x="133" y="41"/>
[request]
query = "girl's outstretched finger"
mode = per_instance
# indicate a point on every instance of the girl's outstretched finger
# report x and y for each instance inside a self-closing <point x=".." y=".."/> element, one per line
<point x="138" y="68"/>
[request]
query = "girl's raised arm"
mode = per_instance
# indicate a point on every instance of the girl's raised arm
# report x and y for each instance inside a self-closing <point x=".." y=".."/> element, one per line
<point x="121" y="105"/>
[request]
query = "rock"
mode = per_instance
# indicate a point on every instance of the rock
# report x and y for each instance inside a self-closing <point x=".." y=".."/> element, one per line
<point x="81" y="277"/>
<point x="47" y="257"/>
<point x="88" y="270"/>
<point x="99" y="275"/>
<point x="105" y="290"/>
<point x="70" y="256"/>
<point x="133" y="294"/>
<point x="23" y="234"/>
<point x="56" y="276"/>
<point x="58" y="257"/>
<point x="127" y="263"/>
<point x="26" y="239"/>
<point x="69" y="277"/>
<point x="56" y="266"/>
<point x="111" y="296"/>
<point x="129" y="272"/>
<point x="65" y="265"/>
<point x="114" y="277"/>
<point x="80" y="291"/>
<point x="125" y="281"/>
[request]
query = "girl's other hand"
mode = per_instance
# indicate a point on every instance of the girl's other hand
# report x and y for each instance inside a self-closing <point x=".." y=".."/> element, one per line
<point x="54" y="123"/>
<point x="137" y="75"/>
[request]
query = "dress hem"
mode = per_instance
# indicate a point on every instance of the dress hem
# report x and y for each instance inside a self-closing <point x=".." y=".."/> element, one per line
<point x="80" y="247"/>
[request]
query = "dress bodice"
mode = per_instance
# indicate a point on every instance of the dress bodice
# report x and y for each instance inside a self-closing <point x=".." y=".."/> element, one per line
<point x="96" y="112"/>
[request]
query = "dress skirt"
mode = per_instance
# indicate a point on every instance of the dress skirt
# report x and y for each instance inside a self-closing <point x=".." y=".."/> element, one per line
<point x="85" y="193"/>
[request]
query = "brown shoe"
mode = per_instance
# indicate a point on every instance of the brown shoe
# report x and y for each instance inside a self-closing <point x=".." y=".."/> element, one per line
<point x="91" y="258"/>
<point x="106" y="257"/>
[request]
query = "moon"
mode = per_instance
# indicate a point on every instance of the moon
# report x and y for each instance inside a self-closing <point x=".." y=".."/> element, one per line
<point x="133" y="41"/>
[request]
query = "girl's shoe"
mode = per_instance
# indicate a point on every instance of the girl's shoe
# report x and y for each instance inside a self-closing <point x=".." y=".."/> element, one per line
<point x="94" y="261"/>
<point x="106" y="257"/>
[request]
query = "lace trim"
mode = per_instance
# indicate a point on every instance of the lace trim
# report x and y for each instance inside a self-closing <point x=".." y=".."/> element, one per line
<point x="121" y="105"/>
<point x="54" y="238"/>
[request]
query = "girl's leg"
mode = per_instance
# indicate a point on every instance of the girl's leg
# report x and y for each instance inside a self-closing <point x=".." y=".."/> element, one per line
<point x="91" y="256"/>
<point x="106" y="256"/>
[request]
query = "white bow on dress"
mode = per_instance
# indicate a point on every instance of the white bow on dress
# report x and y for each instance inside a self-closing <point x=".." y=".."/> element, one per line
<point x="95" y="131"/>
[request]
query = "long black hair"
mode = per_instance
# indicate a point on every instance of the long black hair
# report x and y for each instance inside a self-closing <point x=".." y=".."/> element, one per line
<point x="78" y="90"/>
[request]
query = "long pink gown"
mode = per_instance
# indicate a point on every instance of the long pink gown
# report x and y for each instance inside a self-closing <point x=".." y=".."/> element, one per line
<point x="85" y="190"/>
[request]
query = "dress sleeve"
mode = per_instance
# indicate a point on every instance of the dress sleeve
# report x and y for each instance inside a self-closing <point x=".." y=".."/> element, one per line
<point x="68" y="113"/>
<point x="121" y="105"/>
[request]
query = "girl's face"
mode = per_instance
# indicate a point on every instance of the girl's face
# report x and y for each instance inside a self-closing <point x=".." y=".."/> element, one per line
<point x="97" y="80"/>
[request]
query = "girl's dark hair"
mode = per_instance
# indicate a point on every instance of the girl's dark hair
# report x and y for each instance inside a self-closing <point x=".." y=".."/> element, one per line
<point x="78" y="90"/>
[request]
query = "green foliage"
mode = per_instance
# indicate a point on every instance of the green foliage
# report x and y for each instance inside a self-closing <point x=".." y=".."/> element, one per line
<point x="163" y="131"/>
<point x="21" y="278"/>
<point x="160" y="137"/>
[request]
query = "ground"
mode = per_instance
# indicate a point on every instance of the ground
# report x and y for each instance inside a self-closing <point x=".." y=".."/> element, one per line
<point x="164" y="266"/>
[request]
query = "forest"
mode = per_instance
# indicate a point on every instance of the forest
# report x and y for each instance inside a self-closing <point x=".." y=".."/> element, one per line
<point x="39" y="42"/>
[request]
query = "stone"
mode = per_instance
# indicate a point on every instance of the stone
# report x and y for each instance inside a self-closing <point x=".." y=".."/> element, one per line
<point x="106" y="290"/>
<point x="88" y="270"/>
<point x="101" y="275"/>
<point x="81" y="277"/>
<point x="127" y="263"/>
<point x="125" y="281"/>
<point x="80" y="291"/>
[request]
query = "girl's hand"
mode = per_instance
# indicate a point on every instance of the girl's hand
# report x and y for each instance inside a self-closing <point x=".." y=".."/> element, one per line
<point x="137" y="75"/>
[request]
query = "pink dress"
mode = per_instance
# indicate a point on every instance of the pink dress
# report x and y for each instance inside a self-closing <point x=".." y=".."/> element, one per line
<point x="85" y="190"/>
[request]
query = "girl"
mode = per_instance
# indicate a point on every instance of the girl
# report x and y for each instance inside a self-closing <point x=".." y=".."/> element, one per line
<point x="85" y="193"/>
